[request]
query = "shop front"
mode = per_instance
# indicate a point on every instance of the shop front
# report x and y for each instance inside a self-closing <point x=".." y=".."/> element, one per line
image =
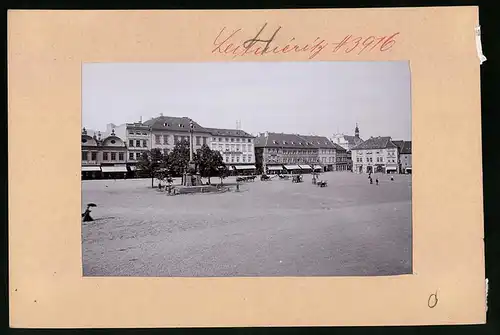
<point x="277" y="169"/>
<point x="91" y="172"/>
<point x="244" y="170"/>
<point x="391" y="169"/>
<point x="114" y="171"/>
<point x="292" y="169"/>
<point x="306" y="168"/>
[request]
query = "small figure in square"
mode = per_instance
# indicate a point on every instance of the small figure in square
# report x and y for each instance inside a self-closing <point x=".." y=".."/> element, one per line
<point x="376" y="181"/>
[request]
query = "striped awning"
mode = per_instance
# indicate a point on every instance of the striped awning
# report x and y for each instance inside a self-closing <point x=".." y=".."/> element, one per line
<point x="114" y="169"/>
<point x="317" y="167"/>
<point x="275" y="168"/>
<point x="90" y="168"/>
<point x="391" y="168"/>
<point x="292" y="167"/>
<point x="305" y="167"/>
<point x="244" y="167"/>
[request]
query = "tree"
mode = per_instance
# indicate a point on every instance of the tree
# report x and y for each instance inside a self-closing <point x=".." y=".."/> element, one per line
<point x="208" y="162"/>
<point x="150" y="162"/>
<point x="177" y="161"/>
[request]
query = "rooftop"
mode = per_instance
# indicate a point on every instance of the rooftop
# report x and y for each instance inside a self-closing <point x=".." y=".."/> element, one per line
<point x="282" y="140"/>
<point x="228" y="132"/>
<point x="380" y="142"/>
<point x="174" y="124"/>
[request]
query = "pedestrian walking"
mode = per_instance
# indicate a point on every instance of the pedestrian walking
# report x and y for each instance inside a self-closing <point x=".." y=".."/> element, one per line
<point x="376" y="181"/>
<point x="371" y="180"/>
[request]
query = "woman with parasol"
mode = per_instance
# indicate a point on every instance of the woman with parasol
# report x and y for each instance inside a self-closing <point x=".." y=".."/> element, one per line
<point x="86" y="215"/>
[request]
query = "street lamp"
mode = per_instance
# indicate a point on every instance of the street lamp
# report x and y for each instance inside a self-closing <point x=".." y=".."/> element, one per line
<point x="192" y="165"/>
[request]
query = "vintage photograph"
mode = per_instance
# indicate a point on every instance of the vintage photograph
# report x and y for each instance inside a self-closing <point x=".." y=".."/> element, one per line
<point x="246" y="169"/>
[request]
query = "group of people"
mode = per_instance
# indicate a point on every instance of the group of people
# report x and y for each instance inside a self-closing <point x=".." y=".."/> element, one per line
<point x="376" y="178"/>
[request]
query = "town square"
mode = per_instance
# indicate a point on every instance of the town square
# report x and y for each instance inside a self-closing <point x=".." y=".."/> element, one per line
<point x="260" y="190"/>
<point x="269" y="228"/>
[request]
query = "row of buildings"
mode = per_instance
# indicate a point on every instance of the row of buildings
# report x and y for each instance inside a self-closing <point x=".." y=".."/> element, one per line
<point x="116" y="151"/>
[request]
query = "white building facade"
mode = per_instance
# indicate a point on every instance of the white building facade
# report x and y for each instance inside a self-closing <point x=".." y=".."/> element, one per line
<point x="377" y="154"/>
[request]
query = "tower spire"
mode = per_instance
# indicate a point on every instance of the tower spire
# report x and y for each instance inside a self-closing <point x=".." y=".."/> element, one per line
<point x="356" y="130"/>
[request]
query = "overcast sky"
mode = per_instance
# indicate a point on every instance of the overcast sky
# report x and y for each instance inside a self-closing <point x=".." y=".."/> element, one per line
<point x="292" y="97"/>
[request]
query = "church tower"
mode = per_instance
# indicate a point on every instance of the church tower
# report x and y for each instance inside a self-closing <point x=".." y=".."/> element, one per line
<point x="356" y="131"/>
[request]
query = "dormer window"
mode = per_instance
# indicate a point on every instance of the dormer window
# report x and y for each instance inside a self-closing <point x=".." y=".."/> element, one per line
<point x="166" y="124"/>
<point x="293" y="143"/>
<point x="113" y="141"/>
<point x="275" y="142"/>
<point x="84" y="140"/>
<point x="284" y="142"/>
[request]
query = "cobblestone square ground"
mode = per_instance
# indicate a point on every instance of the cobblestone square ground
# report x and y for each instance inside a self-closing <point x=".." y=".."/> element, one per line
<point x="274" y="228"/>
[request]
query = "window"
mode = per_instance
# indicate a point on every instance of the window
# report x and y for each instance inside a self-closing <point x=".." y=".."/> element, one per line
<point x="113" y="141"/>
<point x="120" y="156"/>
<point x="137" y="133"/>
<point x="227" y="140"/>
<point x="232" y="159"/>
<point x="130" y="143"/>
<point x="105" y="156"/>
<point x="238" y="147"/>
<point x="226" y="159"/>
<point x="131" y="133"/>
<point x="145" y="143"/>
<point x="176" y="139"/>
<point x="131" y="155"/>
<point x="157" y="139"/>
<point x="221" y="147"/>
<point x="232" y="139"/>
<point x="144" y="133"/>
<point x="84" y="155"/>
<point x="227" y="147"/>
<point x="204" y="140"/>
<point x="165" y="139"/>
<point x="249" y="140"/>
<point x="237" y="159"/>
<point x="220" y="139"/>
<point x="113" y="156"/>
<point x="138" y="155"/>
<point x="138" y="143"/>
<point x="198" y="138"/>
<point x="94" y="156"/>
<point x="232" y="147"/>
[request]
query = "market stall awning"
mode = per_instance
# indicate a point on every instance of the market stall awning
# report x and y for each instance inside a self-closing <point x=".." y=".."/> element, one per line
<point x="305" y="167"/>
<point x="275" y="168"/>
<point x="91" y="168"/>
<point x="244" y="167"/>
<point x="317" y="167"/>
<point x="292" y="167"/>
<point x="230" y="168"/>
<point x="391" y="168"/>
<point x="114" y="169"/>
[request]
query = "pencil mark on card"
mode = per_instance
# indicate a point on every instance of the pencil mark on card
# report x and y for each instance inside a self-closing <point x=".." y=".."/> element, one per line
<point x="433" y="300"/>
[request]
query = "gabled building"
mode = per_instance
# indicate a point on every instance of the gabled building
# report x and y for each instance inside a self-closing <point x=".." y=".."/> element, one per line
<point x="404" y="155"/>
<point x="347" y="141"/>
<point x="167" y="131"/>
<point x="377" y="154"/>
<point x="103" y="157"/>
<point x="236" y="148"/>
<point x="294" y="153"/>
